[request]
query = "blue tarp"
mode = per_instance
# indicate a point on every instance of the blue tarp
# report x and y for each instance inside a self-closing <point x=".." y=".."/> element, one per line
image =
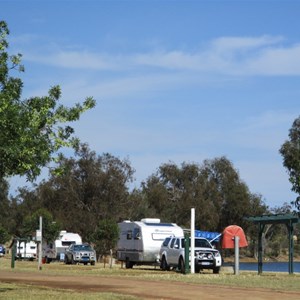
<point x="215" y="236"/>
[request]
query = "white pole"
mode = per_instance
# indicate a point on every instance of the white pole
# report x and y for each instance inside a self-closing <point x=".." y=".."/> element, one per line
<point x="40" y="244"/>
<point x="236" y="255"/>
<point x="193" y="241"/>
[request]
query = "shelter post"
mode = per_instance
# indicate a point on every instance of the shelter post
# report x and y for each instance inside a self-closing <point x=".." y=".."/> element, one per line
<point x="291" y="246"/>
<point x="260" y="247"/>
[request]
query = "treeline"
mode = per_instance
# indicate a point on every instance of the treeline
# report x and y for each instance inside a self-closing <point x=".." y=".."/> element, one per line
<point x="92" y="193"/>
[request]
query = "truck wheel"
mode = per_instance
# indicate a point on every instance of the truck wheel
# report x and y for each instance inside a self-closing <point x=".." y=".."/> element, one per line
<point x="181" y="265"/>
<point x="164" y="266"/>
<point x="128" y="263"/>
<point x="216" y="270"/>
<point x="92" y="263"/>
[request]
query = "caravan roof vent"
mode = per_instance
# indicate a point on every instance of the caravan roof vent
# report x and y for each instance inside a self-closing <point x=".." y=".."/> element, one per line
<point x="150" y="220"/>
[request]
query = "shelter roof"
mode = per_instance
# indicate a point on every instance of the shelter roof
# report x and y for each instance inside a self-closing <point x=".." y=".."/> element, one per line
<point x="275" y="219"/>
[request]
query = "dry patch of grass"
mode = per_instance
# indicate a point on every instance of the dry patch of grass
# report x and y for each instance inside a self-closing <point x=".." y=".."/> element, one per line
<point x="26" y="292"/>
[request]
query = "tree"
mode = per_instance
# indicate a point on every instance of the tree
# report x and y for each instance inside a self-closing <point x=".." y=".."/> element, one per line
<point x="214" y="189"/>
<point x="4" y="203"/>
<point x="105" y="236"/>
<point x="50" y="227"/>
<point x="31" y="130"/>
<point x="90" y="188"/>
<point x="290" y="151"/>
<point x="4" y="236"/>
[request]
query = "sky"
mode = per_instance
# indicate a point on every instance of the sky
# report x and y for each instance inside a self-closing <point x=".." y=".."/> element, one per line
<point x="174" y="81"/>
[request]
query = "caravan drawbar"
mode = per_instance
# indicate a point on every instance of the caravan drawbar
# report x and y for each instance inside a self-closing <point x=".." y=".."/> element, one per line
<point x="140" y="241"/>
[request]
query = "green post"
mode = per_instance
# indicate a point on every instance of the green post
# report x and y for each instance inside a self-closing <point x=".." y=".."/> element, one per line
<point x="187" y="253"/>
<point x="291" y="247"/>
<point x="260" y="248"/>
<point x="13" y="253"/>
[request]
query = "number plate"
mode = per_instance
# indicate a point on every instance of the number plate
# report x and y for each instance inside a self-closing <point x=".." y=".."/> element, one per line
<point x="205" y="263"/>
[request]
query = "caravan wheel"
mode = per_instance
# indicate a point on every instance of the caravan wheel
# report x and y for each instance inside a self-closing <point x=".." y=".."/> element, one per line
<point x="128" y="263"/>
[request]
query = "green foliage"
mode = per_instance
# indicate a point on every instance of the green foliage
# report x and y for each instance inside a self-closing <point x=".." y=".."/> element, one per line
<point x="89" y="188"/>
<point x="290" y="152"/>
<point x="4" y="236"/>
<point x="214" y="189"/>
<point x="50" y="228"/>
<point x="105" y="236"/>
<point x="4" y="203"/>
<point x="31" y="130"/>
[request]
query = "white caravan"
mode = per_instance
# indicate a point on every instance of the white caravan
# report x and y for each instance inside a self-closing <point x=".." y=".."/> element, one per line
<point x="140" y="241"/>
<point x="27" y="250"/>
<point x="57" y="249"/>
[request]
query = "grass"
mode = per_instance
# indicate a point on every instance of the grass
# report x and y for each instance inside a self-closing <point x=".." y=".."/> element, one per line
<point x="268" y="280"/>
<point x="26" y="292"/>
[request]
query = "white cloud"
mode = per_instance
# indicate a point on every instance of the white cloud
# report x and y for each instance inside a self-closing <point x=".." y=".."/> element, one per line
<point x="231" y="44"/>
<point x="242" y="56"/>
<point x="276" y="61"/>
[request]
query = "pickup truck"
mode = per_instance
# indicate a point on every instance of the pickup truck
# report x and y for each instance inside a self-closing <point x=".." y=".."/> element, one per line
<point x="172" y="255"/>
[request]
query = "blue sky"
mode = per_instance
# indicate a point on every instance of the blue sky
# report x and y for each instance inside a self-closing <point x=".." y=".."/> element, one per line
<point x="178" y="81"/>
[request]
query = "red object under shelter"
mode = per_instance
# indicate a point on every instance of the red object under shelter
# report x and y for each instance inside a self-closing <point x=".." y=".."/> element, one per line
<point x="228" y="237"/>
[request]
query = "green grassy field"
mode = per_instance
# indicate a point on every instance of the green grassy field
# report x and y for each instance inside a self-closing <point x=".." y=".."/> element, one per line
<point x="276" y="281"/>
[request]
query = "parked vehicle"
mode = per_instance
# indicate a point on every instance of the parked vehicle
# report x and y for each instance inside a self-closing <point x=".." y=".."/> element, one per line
<point x="2" y="250"/>
<point x="83" y="253"/>
<point x="56" y="249"/>
<point x="26" y="250"/>
<point x="140" y="241"/>
<point x="172" y="254"/>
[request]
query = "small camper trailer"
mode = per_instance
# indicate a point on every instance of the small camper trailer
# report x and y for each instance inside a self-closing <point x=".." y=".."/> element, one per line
<point x="56" y="250"/>
<point x="140" y="241"/>
<point x="26" y="250"/>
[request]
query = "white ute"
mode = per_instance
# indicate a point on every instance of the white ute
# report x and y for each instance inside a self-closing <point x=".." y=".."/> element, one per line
<point x="172" y="255"/>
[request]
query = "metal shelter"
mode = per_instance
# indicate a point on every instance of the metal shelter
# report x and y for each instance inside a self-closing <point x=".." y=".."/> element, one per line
<point x="289" y="220"/>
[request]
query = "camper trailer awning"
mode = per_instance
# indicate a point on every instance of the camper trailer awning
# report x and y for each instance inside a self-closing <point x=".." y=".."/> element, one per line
<point x="211" y="236"/>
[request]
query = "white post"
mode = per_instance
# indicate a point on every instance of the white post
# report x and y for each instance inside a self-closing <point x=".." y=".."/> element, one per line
<point x="236" y="255"/>
<point x="40" y="244"/>
<point x="193" y="241"/>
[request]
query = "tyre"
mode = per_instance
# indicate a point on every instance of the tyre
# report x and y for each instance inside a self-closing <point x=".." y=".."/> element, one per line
<point x="66" y="260"/>
<point x="128" y="263"/>
<point x="216" y="270"/>
<point x="92" y="263"/>
<point x="164" y="266"/>
<point x="181" y="265"/>
<point x="48" y="260"/>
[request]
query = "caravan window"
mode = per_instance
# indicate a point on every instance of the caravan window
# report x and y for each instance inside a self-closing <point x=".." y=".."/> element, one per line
<point x="129" y="234"/>
<point x="136" y="233"/>
<point x="160" y="236"/>
<point x="67" y="243"/>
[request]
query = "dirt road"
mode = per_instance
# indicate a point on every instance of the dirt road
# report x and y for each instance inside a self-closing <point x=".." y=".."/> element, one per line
<point x="144" y="289"/>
